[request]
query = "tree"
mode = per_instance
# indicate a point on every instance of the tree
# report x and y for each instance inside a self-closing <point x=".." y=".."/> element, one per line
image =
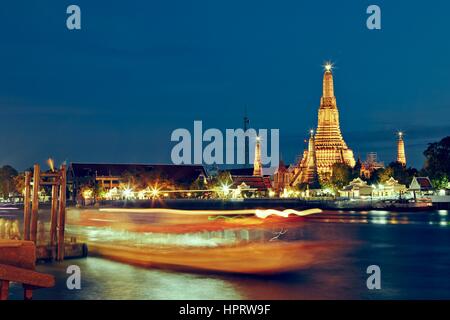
<point x="441" y="183"/>
<point x="19" y="182"/>
<point x="402" y="174"/>
<point x="437" y="162"/>
<point x="341" y="176"/>
<point x="223" y="178"/>
<point x="385" y="174"/>
<point x="7" y="183"/>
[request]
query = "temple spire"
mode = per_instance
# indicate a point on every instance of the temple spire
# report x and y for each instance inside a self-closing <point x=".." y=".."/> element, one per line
<point x="311" y="151"/>
<point x="246" y="142"/>
<point x="312" y="177"/>
<point x="257" y="167"/>
<point x="401" y="157"/>
<point x="326" y="146"/>
<point x="328" y="86"/>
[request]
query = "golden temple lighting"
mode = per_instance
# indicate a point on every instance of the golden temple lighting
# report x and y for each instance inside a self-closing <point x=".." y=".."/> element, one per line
<point x="326" y="146"/>
<point x="401" y="156"/>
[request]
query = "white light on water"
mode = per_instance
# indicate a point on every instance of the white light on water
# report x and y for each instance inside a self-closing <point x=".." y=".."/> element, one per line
<point x="443" y="212"/>
<point x="379" y="212"/>
<point x="380" y="220"/>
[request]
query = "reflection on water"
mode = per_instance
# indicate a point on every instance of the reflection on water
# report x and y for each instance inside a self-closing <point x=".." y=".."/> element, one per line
<point x="103" y="279"/>
<point x="412" y="250"/>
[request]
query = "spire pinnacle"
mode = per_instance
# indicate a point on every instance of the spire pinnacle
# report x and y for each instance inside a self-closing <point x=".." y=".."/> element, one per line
<point x="328" y="86"/>
<point x="328" y="66"/>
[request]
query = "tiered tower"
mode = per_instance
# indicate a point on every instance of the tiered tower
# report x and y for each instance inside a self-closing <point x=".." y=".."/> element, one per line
<point x="257" y="167"/>
<point x="306" y="171"/>
<point x="330" y="147"/>
<point x="401" y="157"/>
<point x="311" y="176"/>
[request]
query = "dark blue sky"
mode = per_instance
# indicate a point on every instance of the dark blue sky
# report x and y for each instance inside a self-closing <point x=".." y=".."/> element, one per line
<point x="137" y="70"/>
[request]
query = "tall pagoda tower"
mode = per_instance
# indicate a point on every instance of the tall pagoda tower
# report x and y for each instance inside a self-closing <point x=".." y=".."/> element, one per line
<point x="330" y="147"/>
<point x="257" y="166"/>
<point x="306" y="171"/>
<point x="401" y="157"/>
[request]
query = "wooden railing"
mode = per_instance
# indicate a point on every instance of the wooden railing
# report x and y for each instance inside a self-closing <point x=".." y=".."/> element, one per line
<point x="17" y="264"/>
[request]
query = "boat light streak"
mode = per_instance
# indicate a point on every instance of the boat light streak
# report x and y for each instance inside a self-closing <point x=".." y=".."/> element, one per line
<point x="285" y="213"/>
<point x="260" y="213"/>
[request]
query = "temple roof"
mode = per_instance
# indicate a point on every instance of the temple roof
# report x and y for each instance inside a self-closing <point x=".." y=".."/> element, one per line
<point x="254" y="182"/>
<point x="421" y="184"/>
<point x="176" y="173"/>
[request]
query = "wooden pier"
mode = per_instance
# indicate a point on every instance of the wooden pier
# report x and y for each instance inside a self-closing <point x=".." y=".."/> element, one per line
<point x="18" y="257"/>
<point x="57" y="248"/>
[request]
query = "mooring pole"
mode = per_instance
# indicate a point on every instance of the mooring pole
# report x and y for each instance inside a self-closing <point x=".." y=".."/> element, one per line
<point x="26" y="206"/>
<point x="54" y="217"/>
<point x="62" y="212"/>
<point x="35" y="203"/>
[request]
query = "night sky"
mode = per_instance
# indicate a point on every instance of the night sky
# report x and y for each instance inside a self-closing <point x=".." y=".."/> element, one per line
<point x="115" y="90"/>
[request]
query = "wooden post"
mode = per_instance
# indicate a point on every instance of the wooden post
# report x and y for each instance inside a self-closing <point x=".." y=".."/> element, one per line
<point x="54" y="215"/>
<point x="27" y="292"/>
<point x="62" y="212"/>
<point x="35" y="203"/>
<point x="4" y="289"/>
<point x="26" y="207"/>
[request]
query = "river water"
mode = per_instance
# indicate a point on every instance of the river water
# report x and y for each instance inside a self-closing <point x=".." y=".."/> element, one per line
<point x="412" y="250"/>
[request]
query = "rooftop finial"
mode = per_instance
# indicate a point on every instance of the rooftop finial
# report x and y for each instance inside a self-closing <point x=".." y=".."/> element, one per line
<point x="328" y="66"/>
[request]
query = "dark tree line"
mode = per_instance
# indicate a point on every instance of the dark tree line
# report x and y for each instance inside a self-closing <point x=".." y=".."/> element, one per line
<point x="437" y="163"/>
<point x="8" y="179"/>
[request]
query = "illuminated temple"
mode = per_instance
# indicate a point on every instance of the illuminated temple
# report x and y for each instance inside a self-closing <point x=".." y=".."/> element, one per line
<point x="327" y="146"/>
<point x="401" y="157"/>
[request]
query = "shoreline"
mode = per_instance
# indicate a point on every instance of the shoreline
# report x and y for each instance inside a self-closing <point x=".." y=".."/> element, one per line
<point x="257" y="203"/>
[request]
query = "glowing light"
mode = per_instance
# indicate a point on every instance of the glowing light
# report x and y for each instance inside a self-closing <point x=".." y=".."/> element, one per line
<point x="127" y="193"/>
<point x="87" y="194"/>
<point x="51" y="164"/>
<point x="400" y="134"/>
<point x="443" y="212"/>
<point x="260" y="213"/>
<point x="225" y="189"/>
<point x="141" y="194"/>
<point x="328" y="66"/>
<point x="285" y="213"/>
<point x="154" y="192"/>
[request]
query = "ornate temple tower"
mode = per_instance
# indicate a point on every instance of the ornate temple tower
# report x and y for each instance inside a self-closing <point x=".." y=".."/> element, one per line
<point x="401" y="157"/>
<point x="257" y="167"/>
<point x="307" y="169"/>
<point x="330" y="147"/>
<point x="311" y="175"/>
